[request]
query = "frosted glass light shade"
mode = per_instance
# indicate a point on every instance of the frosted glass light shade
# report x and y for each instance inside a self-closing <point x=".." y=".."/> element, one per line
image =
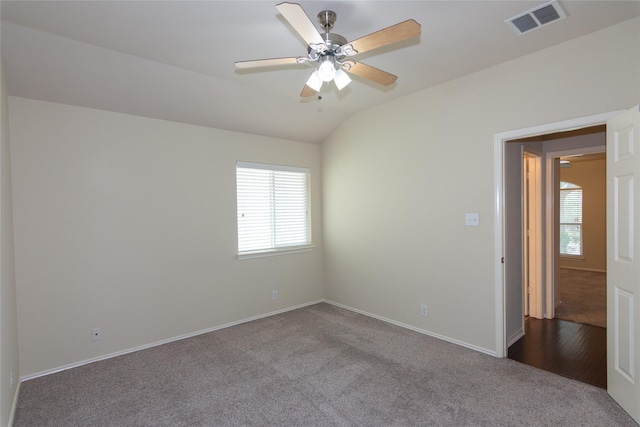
<point x="314" y="82"/>
<point x="326" y="71"/>
<point x="341" y="79"/>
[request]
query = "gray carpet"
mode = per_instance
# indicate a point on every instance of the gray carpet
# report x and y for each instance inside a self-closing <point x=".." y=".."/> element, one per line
<point x="316" y="366"/>
<point x="583" y="296"/>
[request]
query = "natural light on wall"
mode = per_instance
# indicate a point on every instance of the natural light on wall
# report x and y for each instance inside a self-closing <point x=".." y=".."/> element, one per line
<point x="273" y="208"/>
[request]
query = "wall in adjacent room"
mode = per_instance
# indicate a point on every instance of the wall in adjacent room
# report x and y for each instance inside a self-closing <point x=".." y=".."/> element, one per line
<point x="129" y="224"/>
<point x="399" y="179"/>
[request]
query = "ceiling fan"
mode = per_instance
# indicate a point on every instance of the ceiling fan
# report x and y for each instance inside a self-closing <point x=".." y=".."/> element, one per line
<point x="332" y="51"/>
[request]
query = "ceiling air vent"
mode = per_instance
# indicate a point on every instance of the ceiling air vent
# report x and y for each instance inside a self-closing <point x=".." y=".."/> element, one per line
<point x="536" y="18"/>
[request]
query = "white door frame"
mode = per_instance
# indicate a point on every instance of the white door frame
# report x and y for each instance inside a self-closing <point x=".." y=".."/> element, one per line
<point x="532" y="238"/>
<point x="499" y="140"/>
<point x="526" y="200"/>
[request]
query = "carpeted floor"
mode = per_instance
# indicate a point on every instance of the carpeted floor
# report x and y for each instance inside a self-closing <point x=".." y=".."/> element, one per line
<point x="315" y="366"/>
<point x="583" y="296"/>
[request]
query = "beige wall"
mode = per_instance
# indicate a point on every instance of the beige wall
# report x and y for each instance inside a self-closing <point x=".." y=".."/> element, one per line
<point x="591" y="176"/>
<point x="129" y="224"/>
<point x="8" y="308"/>
<point x="399" y="178"/>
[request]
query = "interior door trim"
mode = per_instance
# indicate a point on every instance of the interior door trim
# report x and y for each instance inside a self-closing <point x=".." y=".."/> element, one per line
<point x="499" y="140"/>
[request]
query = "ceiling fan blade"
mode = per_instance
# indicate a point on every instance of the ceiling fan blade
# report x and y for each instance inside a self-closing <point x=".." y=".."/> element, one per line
<point x="393" y="34"/>
<point x="307" y="91"/>
<point x="295" y="14"/>
<point x="372" y="73"/>
<point x="272" y="62"/>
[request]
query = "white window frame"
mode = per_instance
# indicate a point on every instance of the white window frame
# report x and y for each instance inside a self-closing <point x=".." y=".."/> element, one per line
<point x="267" y="192"/>
<point x="574" y="187"/>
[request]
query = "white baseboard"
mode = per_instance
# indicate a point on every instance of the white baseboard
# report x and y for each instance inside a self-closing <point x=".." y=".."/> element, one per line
<point x="238" y="322"/>
<point x="515" y="337"/>
<point x="595" y="270"/>
<point x="14" y="405"/>
<point x="413" y="328"/>
<point x="161" y="342"/>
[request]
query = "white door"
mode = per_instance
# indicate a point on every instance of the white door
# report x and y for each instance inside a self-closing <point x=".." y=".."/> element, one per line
<point x="623" y="264"/>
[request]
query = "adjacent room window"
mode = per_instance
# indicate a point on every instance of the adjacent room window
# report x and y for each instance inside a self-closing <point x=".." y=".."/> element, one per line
<point x="273" y="208"/>
<point x="570" y="219"/>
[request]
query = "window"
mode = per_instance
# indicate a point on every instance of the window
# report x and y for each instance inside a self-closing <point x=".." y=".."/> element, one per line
<point x="570" y="219"/>
<point x="273" y="208"/>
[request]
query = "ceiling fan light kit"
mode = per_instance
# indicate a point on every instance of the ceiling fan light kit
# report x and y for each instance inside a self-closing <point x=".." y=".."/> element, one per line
<point x="332" y="52"/>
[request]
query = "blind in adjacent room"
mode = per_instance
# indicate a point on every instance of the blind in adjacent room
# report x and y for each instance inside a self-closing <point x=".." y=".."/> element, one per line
<point x="570" y="219"/>
<point x="273" y="207"/>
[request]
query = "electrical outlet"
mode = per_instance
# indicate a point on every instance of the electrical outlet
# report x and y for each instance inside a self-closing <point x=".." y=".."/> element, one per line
<point x="274" y="295"/>
<point x="424" y="310"/>
<point x="11" y="379"/>
<point x="96" y="334"/>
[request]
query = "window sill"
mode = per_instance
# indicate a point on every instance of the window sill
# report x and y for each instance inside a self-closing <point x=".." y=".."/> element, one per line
<point x="274" y="252"/>
<point x="572" y="257"/>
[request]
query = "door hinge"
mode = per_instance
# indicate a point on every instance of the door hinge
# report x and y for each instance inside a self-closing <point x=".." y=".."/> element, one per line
<point x="502" y="260"/>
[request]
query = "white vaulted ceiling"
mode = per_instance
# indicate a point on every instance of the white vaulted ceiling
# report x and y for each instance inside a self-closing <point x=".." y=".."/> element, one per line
<point x="174" y="60"/>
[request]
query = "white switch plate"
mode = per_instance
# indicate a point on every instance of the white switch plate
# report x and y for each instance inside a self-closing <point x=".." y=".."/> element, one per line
<point x="472" y="219"/>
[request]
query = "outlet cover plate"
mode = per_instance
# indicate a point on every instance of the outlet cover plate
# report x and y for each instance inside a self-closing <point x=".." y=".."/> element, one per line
<point x="472" y="219"/>
<point x="424" y="310"/>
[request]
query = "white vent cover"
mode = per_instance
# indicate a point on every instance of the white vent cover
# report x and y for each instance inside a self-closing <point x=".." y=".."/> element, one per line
<point x="537" y="17"/>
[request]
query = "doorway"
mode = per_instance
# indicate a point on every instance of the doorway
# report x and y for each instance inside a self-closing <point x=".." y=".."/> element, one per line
<point x="622" y="206"/>
<point x="553" y="141"/>
<point x="575" y="239"/>
<point x="508" y="291"/>
<point x="580" y="294"/>
<point x="562" y="344"/>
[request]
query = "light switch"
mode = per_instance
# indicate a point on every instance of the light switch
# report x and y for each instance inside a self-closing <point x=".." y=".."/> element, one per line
<point x="472" y="219"/>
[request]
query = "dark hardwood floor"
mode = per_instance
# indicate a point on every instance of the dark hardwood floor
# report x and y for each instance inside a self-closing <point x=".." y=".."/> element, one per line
<point x="570" y="349"/>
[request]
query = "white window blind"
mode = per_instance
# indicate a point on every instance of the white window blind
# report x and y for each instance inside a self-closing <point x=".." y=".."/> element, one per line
<point x="273" y="207"/>
<point x="570" y="219"/>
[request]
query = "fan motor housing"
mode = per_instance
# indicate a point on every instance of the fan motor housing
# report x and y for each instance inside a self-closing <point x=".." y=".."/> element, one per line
<point x="334" y="41"/>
